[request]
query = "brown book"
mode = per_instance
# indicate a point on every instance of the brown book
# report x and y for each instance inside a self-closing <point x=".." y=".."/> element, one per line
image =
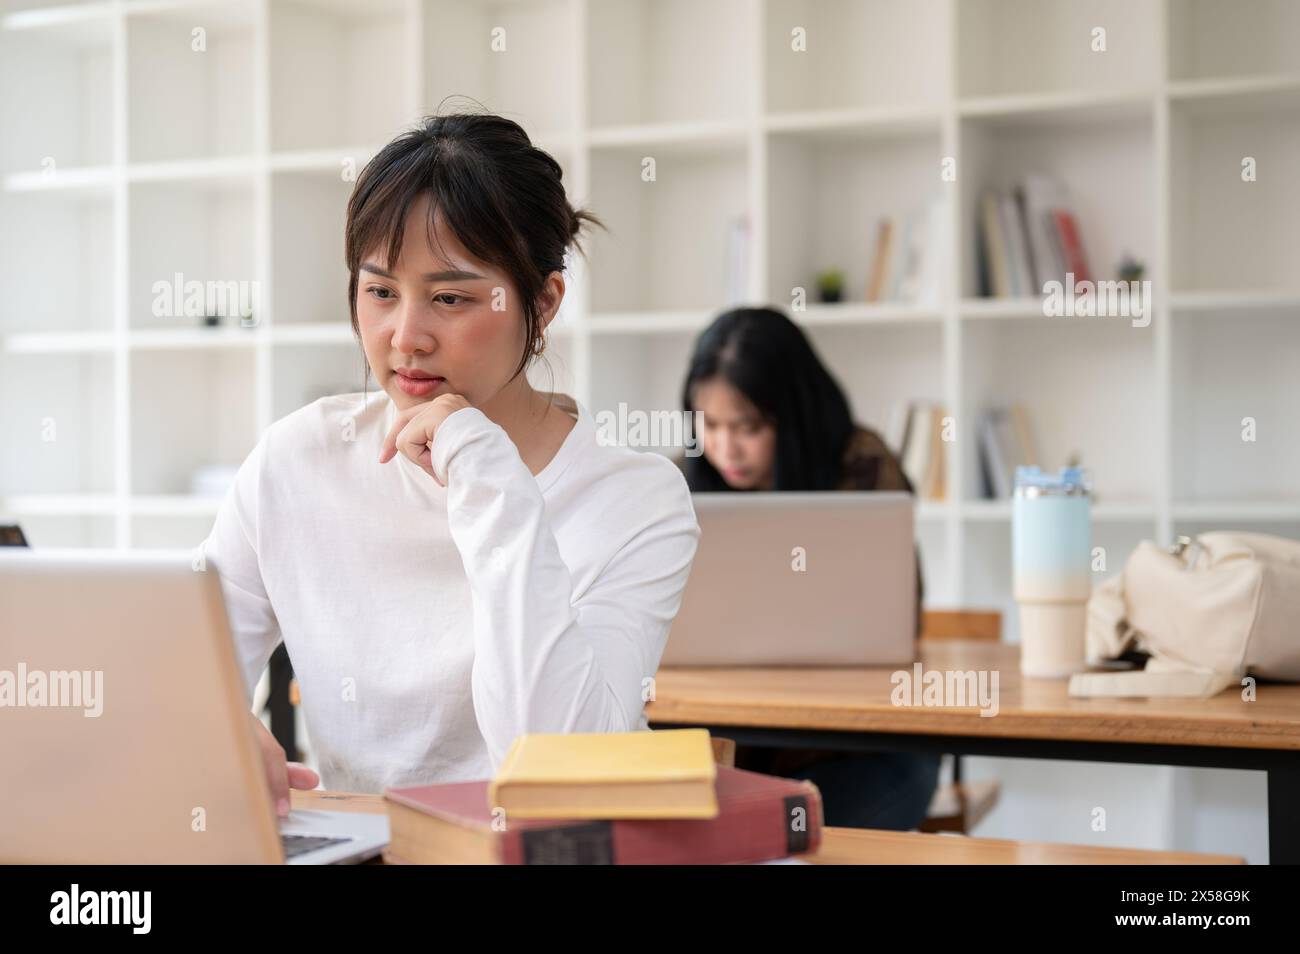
<point x="760" y="817"/>
<point x="1024" y="436"/>
<point x="936" y="478"/>
<point x="882" y="261"/>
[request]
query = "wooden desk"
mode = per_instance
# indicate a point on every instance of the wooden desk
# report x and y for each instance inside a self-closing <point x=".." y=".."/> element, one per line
<point x="857" y="846"/>
<point x="847" y="708"/>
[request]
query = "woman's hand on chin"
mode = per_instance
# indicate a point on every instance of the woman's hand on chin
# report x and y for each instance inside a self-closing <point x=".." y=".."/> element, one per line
<point x="413" y="431"/>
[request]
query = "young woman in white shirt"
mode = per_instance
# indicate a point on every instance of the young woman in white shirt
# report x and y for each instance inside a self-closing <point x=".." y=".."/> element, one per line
<point x="454" y="560"/>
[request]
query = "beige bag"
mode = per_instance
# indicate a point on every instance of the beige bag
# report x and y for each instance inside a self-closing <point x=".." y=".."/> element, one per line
<point x="1209" y="610"/>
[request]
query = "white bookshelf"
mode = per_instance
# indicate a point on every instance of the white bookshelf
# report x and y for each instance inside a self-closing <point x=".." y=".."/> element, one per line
<point x="229" y="163"/>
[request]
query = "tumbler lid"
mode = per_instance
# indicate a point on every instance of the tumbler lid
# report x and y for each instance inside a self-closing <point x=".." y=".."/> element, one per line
<point x="1034" y="482"/>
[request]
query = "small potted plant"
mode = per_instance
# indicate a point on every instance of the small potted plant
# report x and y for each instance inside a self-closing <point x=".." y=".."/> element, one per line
<point x="1130" y="269"/>
<point x="830" y="285"/>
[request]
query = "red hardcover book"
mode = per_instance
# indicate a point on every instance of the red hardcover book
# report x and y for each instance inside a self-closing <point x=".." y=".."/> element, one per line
<point x="760" y="817"/>
<point x="1071" y="247"/>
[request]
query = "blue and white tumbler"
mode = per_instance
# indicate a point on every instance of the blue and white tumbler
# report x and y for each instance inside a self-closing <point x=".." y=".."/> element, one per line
<point x="1051" y="553"/>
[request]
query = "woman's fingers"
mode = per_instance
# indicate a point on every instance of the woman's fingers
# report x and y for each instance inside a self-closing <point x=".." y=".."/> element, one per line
<point x="413" y="430"/>
<point x="389" y="450"/>
<point x="414" y="441"/>
<point x="300" y="776"/>
<point x="277" y="771"/>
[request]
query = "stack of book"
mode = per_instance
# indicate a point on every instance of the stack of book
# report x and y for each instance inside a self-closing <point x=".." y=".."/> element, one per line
<point x="907" y="262"/>
<point x="915" y="434"/>
<point x="1005" y="443"/>
<point x="606" y="798"/>
<point x="1027" y="238"/>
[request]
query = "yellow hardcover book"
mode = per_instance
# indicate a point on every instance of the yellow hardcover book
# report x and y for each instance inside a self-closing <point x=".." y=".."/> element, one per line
<point x="657" y="774"/>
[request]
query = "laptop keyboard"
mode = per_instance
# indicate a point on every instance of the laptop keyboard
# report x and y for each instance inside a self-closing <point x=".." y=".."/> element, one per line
<point x="295" y="845"/>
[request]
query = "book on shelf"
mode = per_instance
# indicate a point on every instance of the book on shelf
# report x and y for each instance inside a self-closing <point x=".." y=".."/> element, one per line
<point x="880" y="259"/>
<point x="899" y="264"/>
<point x="922" y="450"/>
<point x="736" y="280"/>
<point x="1005" y="443"/>
<point x="907" y="260"/>
<point x="896" y="428"/>
<point x="1019" y="266"/>
<point x="935" y="486"/>
<point x="1026" y="238"/>
<point x="1071" y="245"/>
<point x="1037" y="196"/>
<point x="759" y="818"/>
<point x="995" y="278"/>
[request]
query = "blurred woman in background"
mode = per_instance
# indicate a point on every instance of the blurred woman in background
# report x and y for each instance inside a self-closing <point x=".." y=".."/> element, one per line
<point x="774" y="419"/>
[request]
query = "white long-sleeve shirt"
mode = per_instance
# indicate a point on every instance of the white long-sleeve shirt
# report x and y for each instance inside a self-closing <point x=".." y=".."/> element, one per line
<point x="430" y="626"/>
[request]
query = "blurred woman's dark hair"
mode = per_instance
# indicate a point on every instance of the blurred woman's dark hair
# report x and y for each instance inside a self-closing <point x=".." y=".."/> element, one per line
<point x="500" y="195"/>
<point x="767" y="358"/>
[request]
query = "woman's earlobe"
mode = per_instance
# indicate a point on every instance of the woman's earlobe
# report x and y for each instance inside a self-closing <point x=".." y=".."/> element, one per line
<point x="553" y="297"/>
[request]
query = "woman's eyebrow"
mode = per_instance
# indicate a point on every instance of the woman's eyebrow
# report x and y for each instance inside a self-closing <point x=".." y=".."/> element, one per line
<point x="447" y="276"/>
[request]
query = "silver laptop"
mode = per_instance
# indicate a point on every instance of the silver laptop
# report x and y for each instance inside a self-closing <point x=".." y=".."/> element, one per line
<point x="124" y="732"/>
<point x="799" y="579"/>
